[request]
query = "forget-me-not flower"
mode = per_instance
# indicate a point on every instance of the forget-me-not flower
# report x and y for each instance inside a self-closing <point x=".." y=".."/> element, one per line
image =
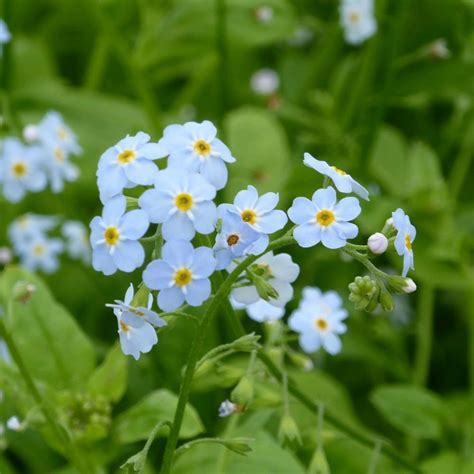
<point x="344" y="182"/>
<point x="127" y="164"/>
<point x="41" y="253"/>
<point x="257" y="212"/>
<point x="195" y="147"/>
<point x="53" y="131"/>
<point x="136" y="333"/>
<point x="5" y="35"/>
<point x="323" y="219"/>
<point x="406" y="234"/>
<point x="58" y="167"/>
<point x="77" y="240"/>
<point x="319" y="321"/>
<point x="114" y="238"/>
<point x="358" y="20"/>
<point x="182" y="274"/>
<point x="235" y="239"/>
<point x="20" y="170"/>
<point x="27" y="227"/>
<point x="182" y="202"/>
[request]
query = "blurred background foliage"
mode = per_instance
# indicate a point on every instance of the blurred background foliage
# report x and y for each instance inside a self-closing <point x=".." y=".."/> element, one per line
<point x="398" y="117"/>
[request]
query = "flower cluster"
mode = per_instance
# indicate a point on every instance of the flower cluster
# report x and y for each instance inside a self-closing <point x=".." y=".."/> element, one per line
<point x="358" y="20"/>
<point x="38" y="250"/>
<point x="43" y="161"/>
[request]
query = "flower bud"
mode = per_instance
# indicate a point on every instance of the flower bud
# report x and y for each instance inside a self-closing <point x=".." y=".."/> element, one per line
<point x="388" y="228"/>
<point x="364" y="292"/>
<point x="247" y="343"/>
<point x="386" y="300"/>
<point x="319" y="463"/>
<point x="141" y="297"/>
<point x="243" y="393"/>
<point x="30" y="133"/>
<point x="264" y="289"/>
<point x="23" y="291"/>
<point x="438" y="49"/>
<point x="399" y="285"/>
<point x="204" y="369"/>
<point x="377" y="243"/>
<point x="288" y="432"/>
<point x="301" y="361"/>
<point x="14" y="424"/>
<point x="410" y="287"/>
<point x="238" y="445"/>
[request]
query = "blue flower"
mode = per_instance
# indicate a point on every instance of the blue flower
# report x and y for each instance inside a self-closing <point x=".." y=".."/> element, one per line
<point x="235" y="239"/>
<point x="27" y="227"/>
<point x="20" y="170"/>
<point x="358" y="20"/>
<point x="278" y="270"/>
<point x="41" y="253"/>
<point x="257" y="212"/>
<point x="260" y="311"/>
<point x="77" y="240"/>
<point x="181" y="275"/>
<point x="182" y="202"/>
<point x="406" y="234"/>
<point x="58" y="167"/>
<point x="318" y="320"/>
<point x="127" y="164"/>
<point x="136" y="334"/>
<point x="323" y="219"/>
<point x="5" y="35"/>
<point x="52" y="131"/>
<point x="344" y="182"/>
<point x="114" y="238"/>
<point x="194" y="146"/>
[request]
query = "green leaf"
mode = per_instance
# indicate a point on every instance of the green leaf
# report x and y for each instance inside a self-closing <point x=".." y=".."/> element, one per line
<point x="413" y="410"/>
<point x="137" y="422"/>
<point x="53" y="347"/>
<point x="259" y="144"/>
<point x="110" y="378"/>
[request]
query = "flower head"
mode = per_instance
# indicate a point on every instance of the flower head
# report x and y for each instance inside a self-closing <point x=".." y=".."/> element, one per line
<point x="58" y="167"/>
<point x="344" y="182"/>
<point x="182" y="202"/>
<point x="5" y="35"/>
<point x="114" y="238"/>
<point x="53" y="131"/>
<point x="358" y="20"/>
<point x="227" y="408"/>
<point x="136" y="333"/>
<point x="406" y="234"/>
<point x="235" y="239"/>
<point x="20" y="170"/>
<point x="323" y="219"/>
<point x="318" y="320"/>
<point x="194" y="146"/>
<point x="182" y="274"/>
<point x="41" y="253"/>
<point x="27" y="227"/>
<point x="77" y="240"/>
<point x="127" y="164"/>
<point x="265" y="82"/>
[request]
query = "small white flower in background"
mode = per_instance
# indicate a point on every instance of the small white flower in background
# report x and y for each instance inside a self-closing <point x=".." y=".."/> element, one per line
<point x="344" y="182"/>
<point x="135" y="329"/>
<point x="324" y="219"/>
<point x="14" y="424"/>
<point x="27" y="227"/>
<point x="127" y="164"/>
<point x="265" y="82"/>
<point x="5" y="35"/>
<point x="406" y="234"/>
<point x="358" y="20"/>
<point x="77" y="240"/>
<point x="114" y="238"/>
<point x="195" y="147"/>
<point x="278" y="270"/>
<point x="20" y="170"/>
<point x="6" y="255"/>
<point x="439" y="49"/>
<point x="227" y="408"/>
<point x="264" y="14"/>
<point x="301" y="36"/>
<point x="319" y="321"/>
<point x="260" y="311"/>
<point x="31" y="133"/>
<point x="377" y="243"/>
<point x="41" y="253"/>
<point x="52" y="131"/>
<point x="58" y="167"/>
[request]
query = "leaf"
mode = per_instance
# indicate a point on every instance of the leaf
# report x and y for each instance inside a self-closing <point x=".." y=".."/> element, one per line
<point x="137" y="422"/>
<point x="53" y="347"/>
<point x="259" y="144"/>
<point x="413" y="410"/>
<point x="110" y="378"/>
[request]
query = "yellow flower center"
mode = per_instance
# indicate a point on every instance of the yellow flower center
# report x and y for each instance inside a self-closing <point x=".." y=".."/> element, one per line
<point x="126" y="156"/>
<point x="19" y="169"/>
<point x="183" y="276"/>
<point x="23" y="222"/>
<point x="325" y="217"/>
<point x="249" y="215"/>
<point x="38" y="250"/>
<point x="339" y="171"/>
<point x="62" y="133"/>
<point x="124" y="327"/>
<point x="321" y="324"/>
<point x="58" y="154"/>
<point x="233" y="239"/>
<point x="111" y="235"/>
<point x="408" y="243"/>
<point x="354" y="17"/>
<point x="184" y="201"/>
<point x="138" y="313"/>
<point x="202" y="148"/>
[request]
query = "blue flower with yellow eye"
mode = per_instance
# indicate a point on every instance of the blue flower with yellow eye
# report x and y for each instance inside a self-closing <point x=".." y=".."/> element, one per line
<point x="406" y="234"/>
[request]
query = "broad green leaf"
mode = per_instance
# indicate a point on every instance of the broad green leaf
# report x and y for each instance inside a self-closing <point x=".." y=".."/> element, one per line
<point x="259" y="144"/>
<point x="137" y="422"/>
<point x="110" y="378"/>
<point x="448" y="462"/>
<point x="52" y="345"/>
<point x="413" y="410"/>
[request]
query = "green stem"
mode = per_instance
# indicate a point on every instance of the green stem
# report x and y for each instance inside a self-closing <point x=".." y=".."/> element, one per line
<point x="375" y="457"/>
<point x="367" y="263"/>
<point x="198" y="341"/>
<point x="221" y="47"/>
<point x="97" y="63"/>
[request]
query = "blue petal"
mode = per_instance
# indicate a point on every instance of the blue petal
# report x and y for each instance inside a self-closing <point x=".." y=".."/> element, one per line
<point x="170" y="299"/>
<point x="302" y="211"/>
<point x="198" y="291"/>
<point x="307" y="235"/>
<point x="134" y="224"/>
<point x="157" y="275"/>
<point x="204" y="262"/>
<point x="178" y="227"/>
<point x="178" y="253"/>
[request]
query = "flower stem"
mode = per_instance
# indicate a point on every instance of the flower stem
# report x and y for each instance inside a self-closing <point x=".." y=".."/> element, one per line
<point x="221" y="47"/>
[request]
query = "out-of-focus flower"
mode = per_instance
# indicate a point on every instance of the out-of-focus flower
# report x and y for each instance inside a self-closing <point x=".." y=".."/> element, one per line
<point x="358" y="20"/>
<point x="265" y="82"/>
<point x="264" y="14"/>
<point x="77" y="240"/>
<point x="406" y="234"/>
<point x="5" y="35"/>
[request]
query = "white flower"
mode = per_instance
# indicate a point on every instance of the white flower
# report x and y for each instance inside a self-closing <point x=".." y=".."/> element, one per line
<point x="358" y="20"/>
<point x="264" y="14"/>
<point x="265" y="82"/>
<point x="377" y="243"/>
<point x="318" y="320"/>
<point x="227" y="408"/>
<point x="6" y="255"/>
<point x="31" y="133"/>
<point x="344" y="182"/>
<point x="406" y="234"/>
<point x="14" y="424"/>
